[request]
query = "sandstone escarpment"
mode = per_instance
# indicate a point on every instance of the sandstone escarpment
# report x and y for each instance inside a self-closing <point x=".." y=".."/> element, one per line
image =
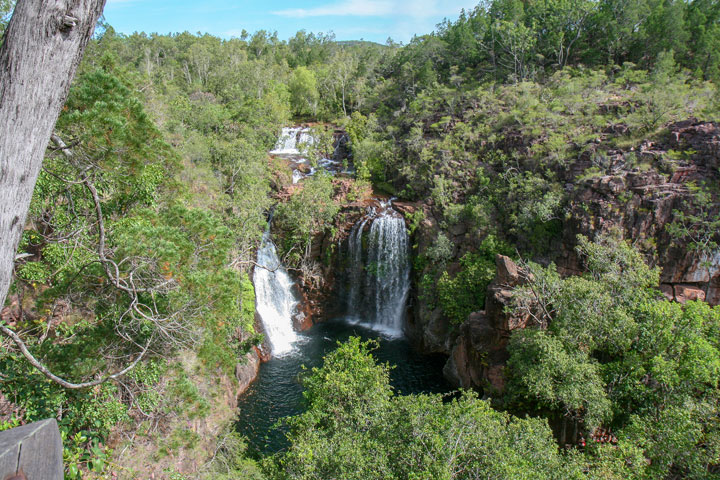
<point x="637" y="193"/>
<point x="634" y="191"/>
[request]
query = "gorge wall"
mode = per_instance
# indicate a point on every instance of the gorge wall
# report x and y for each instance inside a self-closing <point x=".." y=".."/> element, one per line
<point x="634" y="193"/>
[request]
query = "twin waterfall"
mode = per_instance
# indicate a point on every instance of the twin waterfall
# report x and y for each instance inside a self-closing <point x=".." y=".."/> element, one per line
<point x="377" y="280"/>
<point x="379" y="275"/>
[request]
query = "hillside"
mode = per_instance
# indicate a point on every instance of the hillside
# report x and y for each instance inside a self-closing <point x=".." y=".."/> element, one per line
<point x="549" y="170"/>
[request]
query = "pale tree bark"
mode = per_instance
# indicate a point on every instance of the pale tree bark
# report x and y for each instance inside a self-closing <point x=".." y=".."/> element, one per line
<point x="42" y="48"/>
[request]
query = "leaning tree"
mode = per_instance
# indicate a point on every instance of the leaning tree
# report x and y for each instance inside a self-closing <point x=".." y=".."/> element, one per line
<point x="40" y="52"/>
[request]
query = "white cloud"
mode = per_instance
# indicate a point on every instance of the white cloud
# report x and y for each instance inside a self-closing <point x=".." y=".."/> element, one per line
<point x="382" y="8"/>
<point x="359" y="8"/>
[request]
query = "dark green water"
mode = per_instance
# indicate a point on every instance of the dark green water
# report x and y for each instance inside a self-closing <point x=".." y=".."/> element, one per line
<point x="277" y="393"/>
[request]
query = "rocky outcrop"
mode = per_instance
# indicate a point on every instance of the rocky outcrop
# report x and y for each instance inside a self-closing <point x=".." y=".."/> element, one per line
<point x="637" y="195"/>
<point x="479" y="355"/>
<point x="635" y="192"/>
<point x="246" y="371"/>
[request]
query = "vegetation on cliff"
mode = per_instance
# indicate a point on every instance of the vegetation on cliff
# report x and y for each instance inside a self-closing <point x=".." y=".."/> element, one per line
<point x="608" y="353"/>
<point x="155" y="193"/>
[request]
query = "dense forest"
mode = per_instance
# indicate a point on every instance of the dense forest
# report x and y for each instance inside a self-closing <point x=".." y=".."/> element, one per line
<point x="155" y="193"/>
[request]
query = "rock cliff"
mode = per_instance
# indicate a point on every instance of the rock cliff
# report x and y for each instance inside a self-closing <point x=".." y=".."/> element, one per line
<point x="638" y="195"/>
<point x="479" y="354"/>
<point x="636" y="191"/>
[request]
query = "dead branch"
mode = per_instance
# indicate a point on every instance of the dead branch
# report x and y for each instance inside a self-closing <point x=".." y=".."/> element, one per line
<point x="73" y="386"/>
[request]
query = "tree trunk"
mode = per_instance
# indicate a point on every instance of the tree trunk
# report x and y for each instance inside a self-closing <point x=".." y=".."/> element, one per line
<point x="42" y="48"/>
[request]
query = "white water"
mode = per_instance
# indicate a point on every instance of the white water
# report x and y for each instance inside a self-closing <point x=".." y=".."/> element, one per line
<point x="380" y="282"/>
<point x="356" y="265"/>
<point x="291" y="139"/>
<point x="290" y="146"/>
<point x="275" y="301"/>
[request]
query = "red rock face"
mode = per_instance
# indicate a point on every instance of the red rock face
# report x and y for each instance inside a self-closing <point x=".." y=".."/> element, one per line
<point x="668" y="291"/>
<point x="478" y="358"/>
<point x="246" y="372"/>
<point x="687" y="293"/>
<point x="303" y="320"/>
<point x="641" y="205"/>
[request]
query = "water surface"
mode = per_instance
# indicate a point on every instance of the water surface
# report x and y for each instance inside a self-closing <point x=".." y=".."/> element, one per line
<point x="277" y="393"/>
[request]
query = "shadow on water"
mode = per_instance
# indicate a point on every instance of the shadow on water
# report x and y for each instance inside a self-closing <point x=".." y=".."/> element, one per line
<point x="277" y="392"/>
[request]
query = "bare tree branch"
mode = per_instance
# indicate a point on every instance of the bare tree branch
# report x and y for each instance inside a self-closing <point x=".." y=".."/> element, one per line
<point x="73" y="386"/>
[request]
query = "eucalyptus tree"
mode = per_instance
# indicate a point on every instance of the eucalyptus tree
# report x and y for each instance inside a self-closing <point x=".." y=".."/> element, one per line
<point x="41" y="50"/>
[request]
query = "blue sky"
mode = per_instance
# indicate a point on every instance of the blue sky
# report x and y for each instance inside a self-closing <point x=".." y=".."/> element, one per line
<point x="374" y="20"/>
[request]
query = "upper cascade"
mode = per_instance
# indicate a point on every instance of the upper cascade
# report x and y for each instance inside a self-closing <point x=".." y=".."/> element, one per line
<point x="380" y="272"/>
<point x="293" y="144"/>
<point x="291" y="139"/>
<point x="275" y="301"/>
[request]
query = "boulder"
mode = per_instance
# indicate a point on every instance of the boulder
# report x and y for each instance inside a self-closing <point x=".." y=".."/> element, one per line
<point x="685" y="293"/>
<point x="668" y="291"/>
<point x="507" y="271"/>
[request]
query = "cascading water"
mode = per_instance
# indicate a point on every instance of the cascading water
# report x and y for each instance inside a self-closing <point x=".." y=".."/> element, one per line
<point x="290" y="139"/>
<point x="356" y="268"/>
<point x="377" y="289"/>
<point x="275" y="301"/>
<point x="291" y="144"/>
<point x="380" y="277"/>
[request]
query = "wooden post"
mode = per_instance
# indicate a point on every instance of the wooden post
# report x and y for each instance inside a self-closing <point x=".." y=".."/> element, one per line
<point x="32" y="452"/>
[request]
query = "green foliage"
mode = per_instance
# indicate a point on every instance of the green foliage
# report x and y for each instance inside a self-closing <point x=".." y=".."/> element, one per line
<point x="78" y="454"/>
<point x="231" y="462"/>
<point x="85" y="417"/>
<point x="551" y="377"/>
<point x="304" y="95"/>
<point x="610" y="352"/>
<point x="181" y="177"/>
<point x="464" y="293"/>
<point x="441" y="250"/>
<point x="415" y="219"/>
<point x="356" y="427"/>
<point x="371" y="154"/>
<point x="696" y="226"/>
<point x="309" y="211"/>
<point x="187" y="397"/>
<point x="482" y="119"/>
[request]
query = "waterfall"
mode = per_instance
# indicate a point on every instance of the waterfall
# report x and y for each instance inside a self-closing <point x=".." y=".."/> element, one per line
<point x="290" y="144"/>
<point x="380" y="285"/>
<point x="356" y="266"/>
<point x="275" y="300"/>
<point x="290" y="139"/>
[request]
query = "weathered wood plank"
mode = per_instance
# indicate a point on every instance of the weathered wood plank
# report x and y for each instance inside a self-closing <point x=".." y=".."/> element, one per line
<point x="34" y="449"/>
<point x="8" y="458"/>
